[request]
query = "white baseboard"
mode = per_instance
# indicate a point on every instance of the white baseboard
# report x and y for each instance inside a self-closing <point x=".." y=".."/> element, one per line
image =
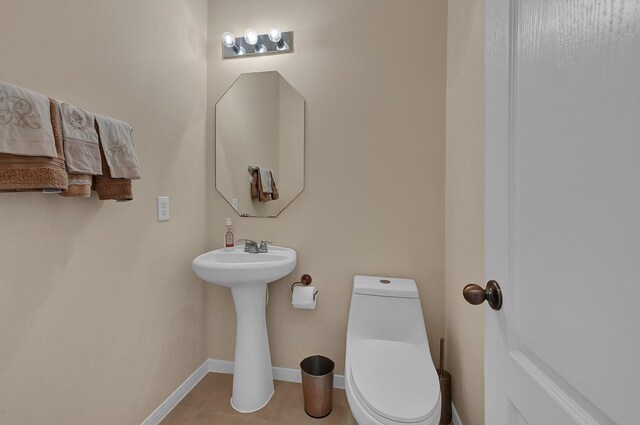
<point x="286" y="374"/>
<point x="338" y="381"/>
<point x="454" y="415"/>
<point x="294" y="375"/>
<point x="279" y="373"/>
<point x="222" y="366"/>
<point x="172" y="401"/>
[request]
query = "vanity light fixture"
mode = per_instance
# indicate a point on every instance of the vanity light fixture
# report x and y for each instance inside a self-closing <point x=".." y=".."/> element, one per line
<point x="229" y="42"/>
<point x="252" y="44"/>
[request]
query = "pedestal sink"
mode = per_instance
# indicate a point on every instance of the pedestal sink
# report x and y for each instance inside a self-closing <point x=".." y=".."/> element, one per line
<point x="248" y="275"/>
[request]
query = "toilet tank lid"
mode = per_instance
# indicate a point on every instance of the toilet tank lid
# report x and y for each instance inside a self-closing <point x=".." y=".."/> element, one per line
<point x="385" y="286"/>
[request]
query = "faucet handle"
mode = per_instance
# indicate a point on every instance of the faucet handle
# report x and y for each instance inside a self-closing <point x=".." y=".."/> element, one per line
<point x="263" y="246"/>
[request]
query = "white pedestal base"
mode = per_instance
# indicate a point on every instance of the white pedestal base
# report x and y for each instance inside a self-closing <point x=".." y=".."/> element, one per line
<point x="252" y="372"/>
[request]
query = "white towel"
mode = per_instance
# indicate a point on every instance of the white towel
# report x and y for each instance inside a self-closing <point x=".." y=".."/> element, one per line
<point x="81" y="147"/>
<point x="25" y="122"/>
<point x="117" y="142"/>
<point x="265" y="176"/>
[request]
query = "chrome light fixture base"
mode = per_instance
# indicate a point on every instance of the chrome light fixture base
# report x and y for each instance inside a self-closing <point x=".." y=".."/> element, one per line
<point x="285" y="45"/>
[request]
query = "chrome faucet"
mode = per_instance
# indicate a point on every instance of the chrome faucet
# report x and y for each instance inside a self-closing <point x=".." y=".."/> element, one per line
<point x="252" y="246"/>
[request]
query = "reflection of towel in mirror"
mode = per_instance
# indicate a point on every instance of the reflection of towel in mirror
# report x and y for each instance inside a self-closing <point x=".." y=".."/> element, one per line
<point x="274" y="187"/>
<point x="263" y="184"/>
<point x="265" y="177"/>
<point x="262" y="195"/>
<point x="254" y="183"/>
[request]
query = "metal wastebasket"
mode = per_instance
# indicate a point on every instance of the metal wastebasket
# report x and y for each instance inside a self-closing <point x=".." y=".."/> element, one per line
<point x="317" y="385"/>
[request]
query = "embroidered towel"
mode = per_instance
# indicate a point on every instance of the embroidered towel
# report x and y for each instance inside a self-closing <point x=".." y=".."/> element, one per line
<point x="25" y="122"/>
<point x="117" y="142"/>
<point x="108" y="188"/>
<point x="21" y="173"/>
<point x="79" y="184"/>
<point x="81" y="147"/>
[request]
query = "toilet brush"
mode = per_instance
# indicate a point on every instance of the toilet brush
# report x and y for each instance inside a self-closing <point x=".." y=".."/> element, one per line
<point x="441" y="356"/>
<point x="445" y="389"/>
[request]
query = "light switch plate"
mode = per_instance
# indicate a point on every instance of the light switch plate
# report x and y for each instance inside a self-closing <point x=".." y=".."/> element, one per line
<point x="164" y="213"/>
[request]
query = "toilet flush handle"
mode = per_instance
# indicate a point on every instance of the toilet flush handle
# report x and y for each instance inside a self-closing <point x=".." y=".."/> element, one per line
<point x="475" y="294"/>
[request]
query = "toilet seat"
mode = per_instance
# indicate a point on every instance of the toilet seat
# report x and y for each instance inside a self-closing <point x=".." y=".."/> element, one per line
<point x="396" y="380"/>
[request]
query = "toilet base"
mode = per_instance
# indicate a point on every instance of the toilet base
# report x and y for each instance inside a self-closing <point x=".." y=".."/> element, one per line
<point x="363" y="417"/>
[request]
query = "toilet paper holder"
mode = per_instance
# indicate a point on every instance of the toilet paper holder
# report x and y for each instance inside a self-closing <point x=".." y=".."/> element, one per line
<point x="305" y="280"/>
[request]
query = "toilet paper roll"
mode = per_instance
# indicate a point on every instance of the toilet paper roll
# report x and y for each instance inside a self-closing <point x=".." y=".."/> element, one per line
<point x="303" y="297"/>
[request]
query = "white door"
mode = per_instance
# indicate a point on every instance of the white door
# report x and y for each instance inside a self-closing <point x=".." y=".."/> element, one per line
<point x="563" y="211"/>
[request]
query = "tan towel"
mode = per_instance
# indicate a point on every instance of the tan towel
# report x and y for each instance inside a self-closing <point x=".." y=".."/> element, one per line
<point x="274" y="188"/>
<point x="79" y="184"/>
<point x="109" y="188"/>
<point x="81" y="147"/>
<point x="254" y="183"/>
<point x="263" y="185"/>
<point x="35" y="173"/>
<point x="25" y="122"/>
<point x="116" y="138"/>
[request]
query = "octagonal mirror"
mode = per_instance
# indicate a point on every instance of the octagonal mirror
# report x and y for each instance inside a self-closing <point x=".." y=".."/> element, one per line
<point x="260" y="144"/>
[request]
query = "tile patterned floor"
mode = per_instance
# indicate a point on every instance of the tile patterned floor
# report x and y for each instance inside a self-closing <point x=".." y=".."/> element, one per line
<point x="208" y="404"/>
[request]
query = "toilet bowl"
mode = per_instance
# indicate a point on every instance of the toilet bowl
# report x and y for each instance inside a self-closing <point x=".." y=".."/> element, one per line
<point x="389" y="374"/>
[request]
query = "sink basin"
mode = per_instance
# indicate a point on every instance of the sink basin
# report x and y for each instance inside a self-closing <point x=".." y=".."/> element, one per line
<point x="233" y="266"/>
<point x="248" y="275"/>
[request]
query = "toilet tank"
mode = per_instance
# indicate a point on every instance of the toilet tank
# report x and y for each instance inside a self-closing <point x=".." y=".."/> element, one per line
<point x="385" y="308"/>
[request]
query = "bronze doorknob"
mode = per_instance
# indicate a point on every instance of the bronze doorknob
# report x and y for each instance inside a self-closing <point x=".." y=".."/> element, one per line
<point x="476" y="295"/>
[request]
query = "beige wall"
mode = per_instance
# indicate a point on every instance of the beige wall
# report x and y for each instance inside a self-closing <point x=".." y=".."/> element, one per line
<point x="101" y="317"/>
<point x="465" y="205"/>
<point x="375" y="141"/>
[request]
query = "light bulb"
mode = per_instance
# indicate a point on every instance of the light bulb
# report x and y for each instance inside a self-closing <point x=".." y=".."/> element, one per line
<point x="275" y="35"/>
<point x="251" y="36"/>
<point x="228" y="39"/>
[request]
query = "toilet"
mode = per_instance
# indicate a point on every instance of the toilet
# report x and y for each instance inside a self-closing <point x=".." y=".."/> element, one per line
<point x="390" y="378"/>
